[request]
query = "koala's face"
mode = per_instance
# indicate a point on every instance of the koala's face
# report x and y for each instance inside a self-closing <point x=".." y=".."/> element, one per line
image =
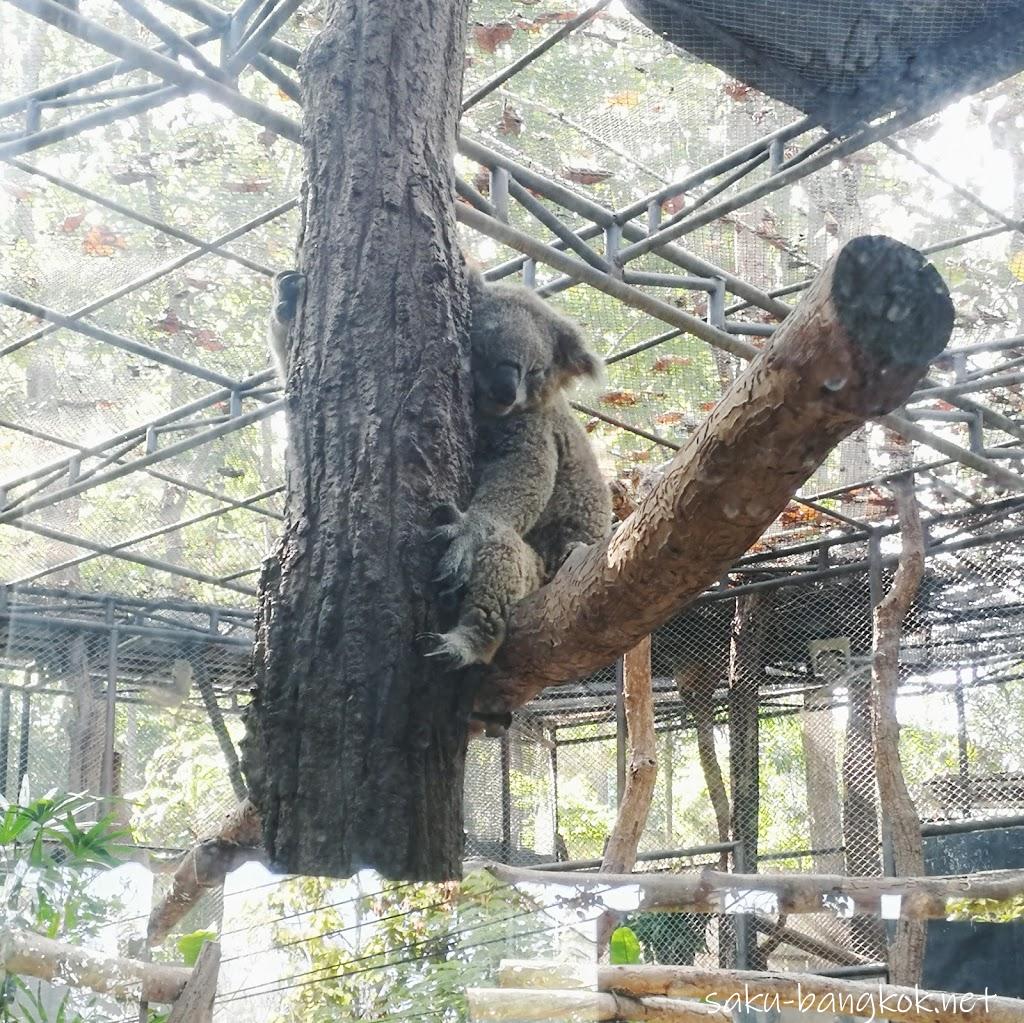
<point x="523" y="352"/>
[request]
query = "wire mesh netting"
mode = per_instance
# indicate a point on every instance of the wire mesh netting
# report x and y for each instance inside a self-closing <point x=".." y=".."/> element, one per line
<point x="141" y="450"/>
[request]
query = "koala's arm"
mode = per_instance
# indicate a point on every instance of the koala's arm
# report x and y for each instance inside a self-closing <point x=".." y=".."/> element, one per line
<point x="288" y="286"/>
<point x="517" y="462"/>
<point x="517" y="474"/>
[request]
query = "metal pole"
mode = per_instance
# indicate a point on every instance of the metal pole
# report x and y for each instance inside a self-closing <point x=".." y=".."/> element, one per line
<point x="5" y="740"/>
<point x="26" y="724"/>
<point x="110" y="708"/>
<point x="620" y="730"/>
<point x="506" y="801"/>
<point x="91" y="31"/>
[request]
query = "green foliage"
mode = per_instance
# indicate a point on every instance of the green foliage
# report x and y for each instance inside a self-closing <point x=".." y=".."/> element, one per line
<point x="989" y="911"/>
<point x="670" y="939"/>
<point x="49" y="852"/>
<point x="190" y="945"/>
<point x="624" y="947"/>
<point x="403" y="950"/>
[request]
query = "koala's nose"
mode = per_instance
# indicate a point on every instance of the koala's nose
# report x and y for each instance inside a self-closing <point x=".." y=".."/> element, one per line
<point x="504" y="385"/>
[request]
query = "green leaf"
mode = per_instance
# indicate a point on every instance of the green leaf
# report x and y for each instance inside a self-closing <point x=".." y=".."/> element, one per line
<point x="189" y="945"/>
<point x="624" y="947"/>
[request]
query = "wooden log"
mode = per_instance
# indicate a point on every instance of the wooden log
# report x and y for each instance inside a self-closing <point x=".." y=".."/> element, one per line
<point x="642" y="768"/>
<point x="204" y="868"/>
<point x="767" y="991"/>
<point x="712" y="891"/>
<point x="900" y="819"/>
<point x="542" y="1004"/>
<point x="196" y="1002"/>
<point x="32" y="955"/>
<point x="855" y="348"/>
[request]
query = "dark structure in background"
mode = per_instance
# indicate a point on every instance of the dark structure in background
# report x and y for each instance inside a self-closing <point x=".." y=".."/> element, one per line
<point x="846" y="63"/>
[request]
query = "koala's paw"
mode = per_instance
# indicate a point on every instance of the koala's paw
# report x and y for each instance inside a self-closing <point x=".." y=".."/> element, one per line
<point x="461" y="536"/>
<point x="288" y="288"/>
<point x="462" y="646"/>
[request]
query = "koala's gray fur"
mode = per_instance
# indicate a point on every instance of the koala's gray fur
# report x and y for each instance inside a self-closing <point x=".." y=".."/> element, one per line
<point x="538" y="491"/>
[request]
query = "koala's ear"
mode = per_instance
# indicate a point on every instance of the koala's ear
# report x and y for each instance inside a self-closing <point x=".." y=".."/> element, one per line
<point x="572" y="355"/>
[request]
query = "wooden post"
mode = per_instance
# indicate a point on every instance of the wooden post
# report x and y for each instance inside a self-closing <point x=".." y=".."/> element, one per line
<point x="899" y="815"/>
<point x="195" y="1003"/>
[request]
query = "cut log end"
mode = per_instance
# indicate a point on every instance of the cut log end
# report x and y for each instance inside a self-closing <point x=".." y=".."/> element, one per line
<point x="891" y="301"/>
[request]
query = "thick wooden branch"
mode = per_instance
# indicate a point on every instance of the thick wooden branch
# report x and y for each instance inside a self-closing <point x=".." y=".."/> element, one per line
<point x="711" y="891"/>
<point x="727" y="990"/>
<point x="854" y="349"/>
<point x="31" y="955"/>
<point x="899" y="814"/>
<point x="865" y="999"/>
<point x="642" y="768"/>
<point x="545" y="1005"/>
<point x="205" y="866"/>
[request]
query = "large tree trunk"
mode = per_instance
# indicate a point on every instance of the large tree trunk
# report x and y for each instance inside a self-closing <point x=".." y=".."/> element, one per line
<point x="355" y="744"/>
<point x="856" y="346"/>
<point x="900" y="819"/>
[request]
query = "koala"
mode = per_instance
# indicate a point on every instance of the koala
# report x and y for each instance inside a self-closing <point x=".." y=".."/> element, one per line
<point x="538" y="492"/>
<point x="288" y="286"/>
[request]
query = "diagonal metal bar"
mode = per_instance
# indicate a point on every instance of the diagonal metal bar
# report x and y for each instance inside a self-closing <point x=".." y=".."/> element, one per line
<point x="164" y="477"/>
<point x="174" y="415"/>
<point x="851" y="144"/>
<point x="586" y="274"/>
<point x="84" y="99"/>
<point x="48" y="136"/>
<point x="139" y="559"/>
<point x="45" y="482"/>
<point x="531" y="55"/>
<point x="973" y="461"/>
<point x="87" y="79"/>
<point x="544" y="216"/>
<point x="213" y="16"/>
<point x="171" y="39"/>
<point x="604" y="217"/>
<point x="260" y="35"/>
<point x="116" y="340"/>
<point x="202" y="249"/>
<point x="143" y="537"/>
<point x="91" y="31"/>
<point x="172" y="450"/>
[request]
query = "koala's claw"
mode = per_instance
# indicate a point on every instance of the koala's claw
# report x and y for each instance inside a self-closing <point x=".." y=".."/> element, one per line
<point x="455" y="648"/>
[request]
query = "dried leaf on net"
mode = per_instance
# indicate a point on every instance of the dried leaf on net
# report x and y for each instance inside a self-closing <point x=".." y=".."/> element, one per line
<point x="582" y="174"/>
<point x="667" y="363"/>
<point x="101" y="241"/>
<point x="622" y="398"/>
<point x="489" y="36"/>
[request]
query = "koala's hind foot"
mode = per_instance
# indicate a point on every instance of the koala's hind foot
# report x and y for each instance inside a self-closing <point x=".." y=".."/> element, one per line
<point x="288" y="288"/>
<point x="504" y="570"/>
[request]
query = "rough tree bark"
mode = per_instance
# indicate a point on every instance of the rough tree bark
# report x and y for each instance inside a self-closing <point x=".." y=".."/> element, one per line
<point x="855" y="347"/>
<point x="642" y="767"/>
<point x="900" y="819"/>
<point x="355" y="743"/>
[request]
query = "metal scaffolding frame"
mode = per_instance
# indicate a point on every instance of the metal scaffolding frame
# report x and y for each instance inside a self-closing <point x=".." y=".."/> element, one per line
<point x="590" y="245"/>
